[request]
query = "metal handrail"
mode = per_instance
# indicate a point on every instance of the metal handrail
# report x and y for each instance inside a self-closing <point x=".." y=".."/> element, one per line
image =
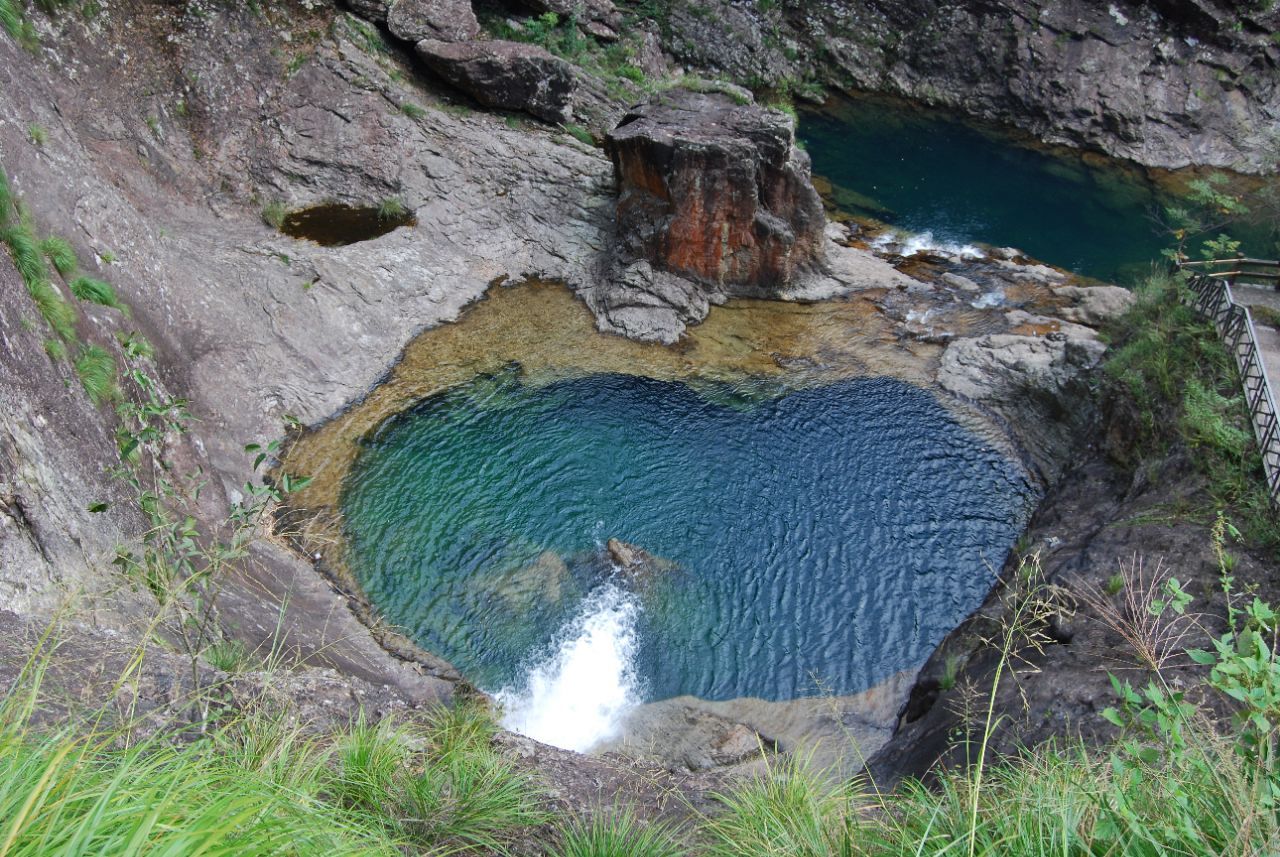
<point x="1212" y="297"/>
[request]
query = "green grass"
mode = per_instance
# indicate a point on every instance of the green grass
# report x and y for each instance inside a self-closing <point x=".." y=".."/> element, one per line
<point x="580" y="133"/>
<point x="37" y="134"/>
<point x="97" y="370"/>
<point x="25" y="250"/>
<point x="617" y="833"/>
<point x="60" y="254"/>
<point x="57" y="313"/>
<point x="391" y="208"/>
<point x="413" y="111"/>
<point x="97" y="291"/>
<point x="56" y="349"/>
<point x="230" y="656"/>
<point x="7" y="209"/>
<point x="792" y="810"/>
<point x="273" y="214"/>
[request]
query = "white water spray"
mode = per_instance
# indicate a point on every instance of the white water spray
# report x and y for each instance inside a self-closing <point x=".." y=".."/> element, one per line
<point x="576" y="697"/>
<point x="908" y="244"/>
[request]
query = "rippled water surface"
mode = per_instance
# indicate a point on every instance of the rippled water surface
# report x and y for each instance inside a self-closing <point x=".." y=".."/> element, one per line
<point x="820" y="538"/>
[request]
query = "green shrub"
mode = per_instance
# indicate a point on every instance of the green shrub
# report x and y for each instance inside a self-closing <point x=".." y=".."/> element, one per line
<point x="60" y="254"/>
<point x="97" y="371"/>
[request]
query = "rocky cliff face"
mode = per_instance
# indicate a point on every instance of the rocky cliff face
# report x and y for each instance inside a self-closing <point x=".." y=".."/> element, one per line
<point x="1169" y="83"/>
<point x="715" y="190"/>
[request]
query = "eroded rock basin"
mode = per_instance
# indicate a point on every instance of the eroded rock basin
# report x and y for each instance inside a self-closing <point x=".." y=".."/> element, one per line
<point x="824" y="514"/>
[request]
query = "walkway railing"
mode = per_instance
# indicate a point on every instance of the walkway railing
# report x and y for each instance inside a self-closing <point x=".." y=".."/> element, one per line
<point x="1211" y="296"/>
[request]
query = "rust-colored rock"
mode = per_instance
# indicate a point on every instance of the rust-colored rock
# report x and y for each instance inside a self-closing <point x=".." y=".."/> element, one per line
<point x="716" y="191"/>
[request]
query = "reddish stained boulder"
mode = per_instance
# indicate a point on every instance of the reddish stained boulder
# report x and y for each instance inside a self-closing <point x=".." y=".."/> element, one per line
<point x="716" y="191"/>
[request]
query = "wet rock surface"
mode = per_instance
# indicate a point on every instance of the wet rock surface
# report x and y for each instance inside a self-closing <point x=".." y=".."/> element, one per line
<point x="715" y="191"/>
<point x="505" y="75"/>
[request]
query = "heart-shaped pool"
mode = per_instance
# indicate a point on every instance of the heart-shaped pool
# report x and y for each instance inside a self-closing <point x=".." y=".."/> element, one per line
<point x="799" y="542"/>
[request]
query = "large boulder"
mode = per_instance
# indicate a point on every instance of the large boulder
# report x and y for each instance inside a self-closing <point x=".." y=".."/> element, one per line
<point x="446" y="20"/>
<point x="598" y="17"/>
<point x="714" y="189"/>
<point x="370" y="10"/>
<point x="505" y="75"/>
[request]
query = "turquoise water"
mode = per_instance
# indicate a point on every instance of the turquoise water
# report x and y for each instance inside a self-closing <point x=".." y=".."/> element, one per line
<point x="925" y="171"/>
<point x="819" y="538"/>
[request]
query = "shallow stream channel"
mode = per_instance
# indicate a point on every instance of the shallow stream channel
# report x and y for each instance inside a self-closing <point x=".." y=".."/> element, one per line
<point x="807" y="516"/>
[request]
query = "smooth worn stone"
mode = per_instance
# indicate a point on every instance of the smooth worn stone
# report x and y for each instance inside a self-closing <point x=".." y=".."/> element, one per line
<point x="505" y="75"/>
<point x="716" y="191"/>
<point x="447" y="20"/>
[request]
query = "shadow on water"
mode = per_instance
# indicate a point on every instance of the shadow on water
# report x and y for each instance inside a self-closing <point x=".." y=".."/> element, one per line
<point x="335" y="224"/>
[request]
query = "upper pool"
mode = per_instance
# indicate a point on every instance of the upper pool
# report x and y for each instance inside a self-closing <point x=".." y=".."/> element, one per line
<point x="926" y="171"/>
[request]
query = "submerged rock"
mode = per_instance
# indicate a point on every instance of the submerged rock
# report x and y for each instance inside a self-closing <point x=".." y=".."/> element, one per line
<point x="638" y="568"/>
<point x="505" y="75"/>
<point x="447" y="20"/>
<point x="716" y="190"/>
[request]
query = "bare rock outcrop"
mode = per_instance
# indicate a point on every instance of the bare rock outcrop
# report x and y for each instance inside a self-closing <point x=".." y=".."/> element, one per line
<point x="505" y="75"/>
<point x="716" y="191"/>
<point x="447" y="20"/>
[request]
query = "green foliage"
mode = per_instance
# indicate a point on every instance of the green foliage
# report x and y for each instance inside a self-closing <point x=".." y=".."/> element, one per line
<point x="98" y="292"/>
<point x="14" y="22"/>
<point x="60" y="254"/>
<point x="950" y="672"/>
<point x="37" y="134"/>
<point x="135" y="346"/>
<point x="230" y="656"/>
<point x="1170" y="380"/>
<point x="97" y="371"/>
<point x="413" y="111"/>
<point x="580" y="134"/>
<point x="273" y="214"/>
<point x="57" y="313"/>
<point x="612" y="833"/>
<point x="456" y="796"/>
<point x="1114" y="585"/>
<point x="56" y="349"/>
<point x="1208" y="206"/>
<point x="7" y="208"/>
<point x="391" y="208"/>
<point x="25" y="250"/>
<point x="792" y="811"/>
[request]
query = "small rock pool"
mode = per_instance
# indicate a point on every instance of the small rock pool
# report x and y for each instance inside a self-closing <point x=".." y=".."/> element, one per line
<point x="804" y="541"/>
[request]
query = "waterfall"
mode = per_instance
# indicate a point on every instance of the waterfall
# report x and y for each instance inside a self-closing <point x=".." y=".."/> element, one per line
<point x="576" y="695"/>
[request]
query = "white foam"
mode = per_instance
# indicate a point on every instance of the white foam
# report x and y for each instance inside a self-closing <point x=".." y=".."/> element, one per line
<point x="906" y="244"/>
<point x="577" y="696"/>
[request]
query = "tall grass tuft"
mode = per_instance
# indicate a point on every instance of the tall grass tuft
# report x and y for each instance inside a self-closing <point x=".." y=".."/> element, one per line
<point x="7" y="209"/>
<point x="60" y="254"/>
<point x="457" y="796"/>
<point x="791" y="810"/>
<point x="25" y="250"/>
<point x="97" y="371"/>
<point x="97" y="291"/>
<point x="60" y="315"/>
<point x="617" y="834"/>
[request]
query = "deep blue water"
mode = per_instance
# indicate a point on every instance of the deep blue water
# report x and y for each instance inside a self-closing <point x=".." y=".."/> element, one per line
<point x="826" y="537"/>
<point x="926" y="171"/>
